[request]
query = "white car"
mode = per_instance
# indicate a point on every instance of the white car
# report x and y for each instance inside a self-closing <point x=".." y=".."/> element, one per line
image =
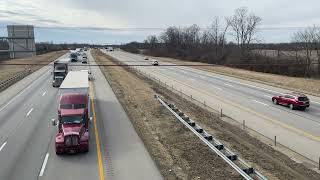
<point x="155" y="63"/>
<point x="84" y="59"/>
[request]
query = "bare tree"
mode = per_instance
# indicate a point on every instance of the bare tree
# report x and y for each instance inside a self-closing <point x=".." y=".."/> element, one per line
<point x="309" y="38"/>
<point x="244" y="27"/>
<point x="152" y="41"/>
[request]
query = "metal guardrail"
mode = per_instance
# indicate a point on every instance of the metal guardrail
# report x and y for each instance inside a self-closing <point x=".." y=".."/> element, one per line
<point x="227" y="155"/>
<point x="8" y="82"/>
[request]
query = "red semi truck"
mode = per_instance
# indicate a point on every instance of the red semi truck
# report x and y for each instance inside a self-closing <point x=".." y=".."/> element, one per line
<point x="73" y="114"/>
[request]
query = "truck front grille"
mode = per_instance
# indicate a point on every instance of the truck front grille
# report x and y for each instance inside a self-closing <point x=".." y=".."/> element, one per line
<point x="71" y="140"/>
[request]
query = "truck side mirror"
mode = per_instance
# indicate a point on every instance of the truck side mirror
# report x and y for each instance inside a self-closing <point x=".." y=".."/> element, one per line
<point x="54" y="122"/>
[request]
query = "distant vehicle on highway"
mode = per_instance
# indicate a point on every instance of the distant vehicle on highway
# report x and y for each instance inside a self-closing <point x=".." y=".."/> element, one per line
<point x="155" y="63"/>
<point x="109" y="49"/>
<point x="73" y="114"/>
<point x="293" y="100"/>
<point x="146" y="58"/>
<point x="73" y="57"/>
<point x="84" y="58"/>
<point x="60" y="71"/>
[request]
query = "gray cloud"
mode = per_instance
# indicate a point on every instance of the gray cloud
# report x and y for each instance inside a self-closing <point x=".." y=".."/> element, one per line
<point x="143" y="17"/>
<point x="28" y="17"/>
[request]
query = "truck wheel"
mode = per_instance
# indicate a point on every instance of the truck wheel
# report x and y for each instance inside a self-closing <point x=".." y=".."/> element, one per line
<point x="58" y="153"/>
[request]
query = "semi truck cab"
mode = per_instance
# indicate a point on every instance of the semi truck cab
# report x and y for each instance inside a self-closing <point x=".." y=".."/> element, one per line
<point x="73" y="134"/>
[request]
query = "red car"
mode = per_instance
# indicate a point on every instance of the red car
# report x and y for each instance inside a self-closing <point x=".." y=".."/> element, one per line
<point x="293" y="100"/>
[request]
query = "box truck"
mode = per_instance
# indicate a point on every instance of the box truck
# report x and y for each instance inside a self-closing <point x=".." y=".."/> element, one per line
<point x="60" y="71"/>
<point x="73" y="114"/>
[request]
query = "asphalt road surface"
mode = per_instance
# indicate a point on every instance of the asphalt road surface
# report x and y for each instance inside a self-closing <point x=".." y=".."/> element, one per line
<point x="27" y="136"/>
<point x="241" y="100"/>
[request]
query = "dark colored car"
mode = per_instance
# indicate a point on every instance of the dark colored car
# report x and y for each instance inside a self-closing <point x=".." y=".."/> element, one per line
<point x="293" y="100"/>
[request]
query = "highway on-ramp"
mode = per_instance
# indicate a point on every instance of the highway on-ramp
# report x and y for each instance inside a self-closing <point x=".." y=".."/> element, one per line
<point x="27" y="136"/>
<point x="241" y="100"/>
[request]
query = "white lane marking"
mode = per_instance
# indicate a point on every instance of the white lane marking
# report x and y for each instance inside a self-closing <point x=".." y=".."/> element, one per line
<point x="315" y="102"/>
<point x="260" y="102"/>
<point x="44" y="93"/>
<point x="44" y="165"/>
<point x="202" y="77"/>
<point x="228" y="84"/>
<point x="4" y="144"/>
<point x="267" y="96"/>
<point x="15" y="97"/>
<point x="191" y="79"/>
<point x="217" y="88"/>
<point x="29" y="112"/>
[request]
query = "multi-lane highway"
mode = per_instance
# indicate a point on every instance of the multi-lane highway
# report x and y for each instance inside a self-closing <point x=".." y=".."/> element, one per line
<point x="27" y="136"/>
<point x="241" y="100"/>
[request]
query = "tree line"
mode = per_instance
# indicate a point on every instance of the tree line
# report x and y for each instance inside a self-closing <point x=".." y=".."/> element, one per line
<point x="210" y="45"/>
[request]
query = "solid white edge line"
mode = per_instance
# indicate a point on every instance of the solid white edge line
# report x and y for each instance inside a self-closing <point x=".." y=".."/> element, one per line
<point x="260" y="102"/>
<point x="228" y="84"/>
<point x="4" y="144"/>
<point x="44" y="165"/>
<point x="29" y="111"/>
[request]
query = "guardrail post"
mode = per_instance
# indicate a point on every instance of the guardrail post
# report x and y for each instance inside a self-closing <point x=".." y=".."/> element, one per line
<point x="244" y="124"/>
<point x="319" y="163"/>
<point x="221" y="113"/>
<point x="204" y="103"/>
<point x="275" y="141"/>
<point x="191" y="96"/>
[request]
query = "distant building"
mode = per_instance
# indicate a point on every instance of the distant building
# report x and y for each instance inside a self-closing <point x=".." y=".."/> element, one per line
<point x="21" y="41"/>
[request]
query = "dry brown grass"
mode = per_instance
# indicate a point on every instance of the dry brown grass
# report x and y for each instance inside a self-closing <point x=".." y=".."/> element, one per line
<point x="7" y="71"/>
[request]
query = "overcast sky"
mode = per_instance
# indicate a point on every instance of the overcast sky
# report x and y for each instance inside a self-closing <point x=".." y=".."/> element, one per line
<point x="280" y="18"/>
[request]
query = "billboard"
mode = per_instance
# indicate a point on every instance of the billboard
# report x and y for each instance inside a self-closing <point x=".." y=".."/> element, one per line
<point x="21" y="41"/>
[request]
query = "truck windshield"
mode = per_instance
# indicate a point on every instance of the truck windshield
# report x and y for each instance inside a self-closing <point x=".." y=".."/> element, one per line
<point x="66" y="106"/>
<point x="79" y="106"/>
<point x="59" y="74"/>
<point x="73" y="106"/>
<point x="72" y="119"/>
<point x="60" y="67"/>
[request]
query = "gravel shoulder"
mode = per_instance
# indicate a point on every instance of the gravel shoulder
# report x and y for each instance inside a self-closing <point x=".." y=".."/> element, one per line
<point x="7" y="71"/>
<point x="177" y="152"/>
<point x="306" y="85"/>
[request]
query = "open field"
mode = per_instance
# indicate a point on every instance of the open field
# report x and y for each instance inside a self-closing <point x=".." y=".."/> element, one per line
<point x="163" y="135"/>
<point x="7" y="71"/>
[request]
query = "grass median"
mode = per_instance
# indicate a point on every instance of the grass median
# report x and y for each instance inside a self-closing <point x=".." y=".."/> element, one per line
<point x="178" y="153"/>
